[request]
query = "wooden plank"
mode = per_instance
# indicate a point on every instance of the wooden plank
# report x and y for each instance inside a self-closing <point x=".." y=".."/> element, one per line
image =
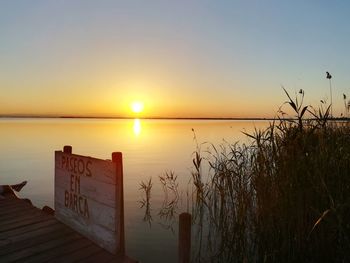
<point x="100" y="235"/>
<point x="77" y="255"/>
<point x="11" y="199"/>
<point x="98" y="191"/>
<point x="89" y="198"/>
<point x="50" y="244"/>
<point x="30" y="235"/>
<point x="101" y="256"/>
<point x="13" y="212"/>
<point x="14" y="208"/>
<point x="97" y="169"/>
<point x="25" y="213"/>
<point x="7" y="202"/>
<point x="122" y="259"/>
<point x="57" y="227"/>
<point x="20" y="216"/>
<point x="27" y="221"/>
<point x="64" y="250"/>
<point x="100" y="214"/>
<point x="33" y="238"/>
<point x="28" y="228"/>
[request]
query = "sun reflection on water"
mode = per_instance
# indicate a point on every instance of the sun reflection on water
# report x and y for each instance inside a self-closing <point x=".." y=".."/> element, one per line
<point x="137" y="127"/>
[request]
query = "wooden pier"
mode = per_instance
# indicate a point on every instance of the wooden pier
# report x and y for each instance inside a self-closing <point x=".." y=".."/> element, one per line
<point x="28" y="234"/>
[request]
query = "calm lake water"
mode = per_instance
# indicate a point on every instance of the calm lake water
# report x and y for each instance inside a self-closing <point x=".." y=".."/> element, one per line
<point x="150" y="148"/>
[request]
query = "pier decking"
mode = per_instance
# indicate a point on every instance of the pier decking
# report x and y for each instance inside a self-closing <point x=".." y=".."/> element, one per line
<point x="28" y="234"/>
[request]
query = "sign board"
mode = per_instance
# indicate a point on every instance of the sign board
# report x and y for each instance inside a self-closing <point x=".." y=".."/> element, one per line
<point x="89" y="197"/>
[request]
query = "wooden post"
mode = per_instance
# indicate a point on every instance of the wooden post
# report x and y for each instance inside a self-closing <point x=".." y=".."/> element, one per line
<point x="117" y="158"/>
<point x="184" y="238"/>
<point x="67" y="149"/>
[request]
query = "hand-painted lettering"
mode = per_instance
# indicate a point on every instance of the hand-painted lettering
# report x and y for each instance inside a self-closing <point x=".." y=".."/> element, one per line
<point x="88" y="171"/>
<point x="73" y="199"/>
<point x="81" y="166"/>
<point x="76" y="165"/>
<point x="76" y="203"/>
<point x="71" y="182"/>
<point x="66" y="198"/>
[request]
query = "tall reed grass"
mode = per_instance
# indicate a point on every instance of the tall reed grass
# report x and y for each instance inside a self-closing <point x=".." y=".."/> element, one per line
<point x="283" y="197"/>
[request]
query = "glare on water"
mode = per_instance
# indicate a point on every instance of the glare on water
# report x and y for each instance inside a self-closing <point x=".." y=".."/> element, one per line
<point x="150" y="148"/>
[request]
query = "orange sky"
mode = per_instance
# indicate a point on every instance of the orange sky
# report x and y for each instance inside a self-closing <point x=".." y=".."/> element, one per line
<point x="180" y="58"/>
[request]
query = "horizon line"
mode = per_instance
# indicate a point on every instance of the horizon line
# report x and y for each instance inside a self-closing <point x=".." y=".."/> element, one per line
<point x="18" y="116"/>
<point x="130" y="117"/>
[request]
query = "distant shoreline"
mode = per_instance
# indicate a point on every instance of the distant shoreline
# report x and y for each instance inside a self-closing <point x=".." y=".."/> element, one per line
<point x="156" y="118"/>
<point x="130" y="118"/>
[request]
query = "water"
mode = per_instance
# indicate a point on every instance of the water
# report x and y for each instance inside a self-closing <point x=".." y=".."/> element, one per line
<point x="149" y="147"/>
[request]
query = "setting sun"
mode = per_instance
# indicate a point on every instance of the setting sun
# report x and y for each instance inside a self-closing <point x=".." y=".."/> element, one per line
<point x="137" y="107"/>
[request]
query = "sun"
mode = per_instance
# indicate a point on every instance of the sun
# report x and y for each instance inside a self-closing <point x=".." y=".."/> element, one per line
<point x="137" y="107"/>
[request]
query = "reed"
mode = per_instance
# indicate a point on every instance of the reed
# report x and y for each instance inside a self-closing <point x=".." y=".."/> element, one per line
<point x="168" y="210"/>
<point x="282" y="197"/>
<point x="146" y="188"/>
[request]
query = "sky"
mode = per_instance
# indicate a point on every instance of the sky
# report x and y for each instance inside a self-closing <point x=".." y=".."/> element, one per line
<point x="180" y="58"/>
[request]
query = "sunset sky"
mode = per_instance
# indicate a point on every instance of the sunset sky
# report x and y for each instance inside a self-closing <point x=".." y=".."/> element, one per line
<point x="179" y="58"/>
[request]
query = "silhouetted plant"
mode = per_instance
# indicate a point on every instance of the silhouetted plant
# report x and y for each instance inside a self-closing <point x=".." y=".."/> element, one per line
<point x="346" y="106"/>
<point x="168" y="211"/>
<point x="282" y="198"/>
<point x="297" y="106"/>
<point x="146" y="187"/>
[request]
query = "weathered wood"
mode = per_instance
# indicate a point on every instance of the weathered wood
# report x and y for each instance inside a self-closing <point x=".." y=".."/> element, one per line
<point x="65" y="249"/>
<point x="78" y="255"/>
<point x="28" y="228"/>
<point x="45" y="239"/>
<point x="97" y="169"/>
<point x="184" y="238"/>
<point x="95" y="190"/>
<point x="26" y="221"/>
<point x="89" y="197"/>
<point x="8" y="202"/>
<point x="23" y="235"/>
<point x="67" y="149"/>
<point x="124" y="259"/>
<point x="34" y="238"/>
<point x="117" y="158"/>
<point x="49" y="244"/>
<point x="100" y="235"/>
<point x="98" y="257"/>
<point x="101" y="214"/>
<point x="48" y="210"/>
<point x="20" y="215"/>
<point x="10" y="209"/>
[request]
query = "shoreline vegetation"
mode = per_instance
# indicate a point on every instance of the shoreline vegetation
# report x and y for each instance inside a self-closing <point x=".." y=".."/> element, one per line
<point x="282" y="197"/>
<point x="129" y="118"/>
<point x="168" y="118"/>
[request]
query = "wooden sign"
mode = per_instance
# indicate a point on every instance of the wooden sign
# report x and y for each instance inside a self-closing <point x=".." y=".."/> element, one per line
<point x="89" y="197"/>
